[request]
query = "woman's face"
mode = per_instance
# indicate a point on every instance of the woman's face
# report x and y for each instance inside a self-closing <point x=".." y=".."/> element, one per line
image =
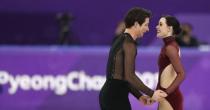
<point x="163" y="29"/>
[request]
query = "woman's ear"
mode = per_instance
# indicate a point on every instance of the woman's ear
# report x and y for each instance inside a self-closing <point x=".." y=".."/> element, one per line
<point x="170" y="29"/>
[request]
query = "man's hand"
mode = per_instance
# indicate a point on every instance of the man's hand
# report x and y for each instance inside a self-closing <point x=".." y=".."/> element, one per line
<point x="146" y="100"/>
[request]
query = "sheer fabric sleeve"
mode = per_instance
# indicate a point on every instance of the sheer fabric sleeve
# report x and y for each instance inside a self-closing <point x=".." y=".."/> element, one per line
<point x="135" y="92"/>
<point x="173" y="56"/>
<point x="129" y="68"/>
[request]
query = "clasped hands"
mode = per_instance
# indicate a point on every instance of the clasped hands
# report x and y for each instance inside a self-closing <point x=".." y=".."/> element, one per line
<point x="158" y="95"/>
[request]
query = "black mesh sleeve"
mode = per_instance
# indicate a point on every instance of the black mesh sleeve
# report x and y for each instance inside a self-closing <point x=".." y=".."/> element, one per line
<point x="135" y="92"/>
<point x="129" y="68"/>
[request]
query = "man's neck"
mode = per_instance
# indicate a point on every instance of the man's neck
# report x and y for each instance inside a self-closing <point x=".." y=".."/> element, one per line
<point x="131" y="32"/>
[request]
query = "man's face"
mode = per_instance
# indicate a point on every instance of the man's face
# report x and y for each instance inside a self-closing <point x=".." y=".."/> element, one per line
<point x="141" y="29"/>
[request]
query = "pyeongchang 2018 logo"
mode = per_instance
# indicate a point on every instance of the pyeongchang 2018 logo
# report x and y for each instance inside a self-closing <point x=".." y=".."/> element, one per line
<point x="60" y="84"/>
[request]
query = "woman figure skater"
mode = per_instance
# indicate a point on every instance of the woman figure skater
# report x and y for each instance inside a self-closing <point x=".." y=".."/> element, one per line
<point x="171" y="72"/>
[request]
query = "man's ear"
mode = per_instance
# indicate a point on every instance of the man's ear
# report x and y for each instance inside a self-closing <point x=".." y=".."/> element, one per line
<point x="136" y="24"/>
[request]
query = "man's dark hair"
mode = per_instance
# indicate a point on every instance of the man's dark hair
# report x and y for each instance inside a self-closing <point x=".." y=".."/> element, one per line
<point x="136" y="15"/>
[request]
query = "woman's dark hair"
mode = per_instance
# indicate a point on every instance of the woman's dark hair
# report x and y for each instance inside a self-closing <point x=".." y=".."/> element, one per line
<point x="172" y="21"/>
<point x="136" y="14"/>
